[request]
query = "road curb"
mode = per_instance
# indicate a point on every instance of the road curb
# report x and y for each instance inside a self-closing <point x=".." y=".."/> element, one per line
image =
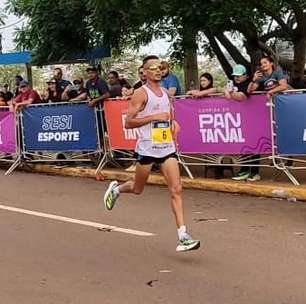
<point x="262" y="189"/>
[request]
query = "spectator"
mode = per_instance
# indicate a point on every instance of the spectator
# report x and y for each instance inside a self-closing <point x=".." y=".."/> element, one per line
<point x="8" y="95"/>
<point x="76" y="92"/>
<point x="273" y="80"/>
<point x="142" y="78"/>
<point x="206" y="86"/>
<point x="3" y="102"/>
<point x="114" y="84"/>
<point x="25" y="97"/>
<point x="18" y="79"/>
<point x="169" y="81"/>
<point x="238" y="89"/>
<point x="97" y="88"/>
<point x="62" y="83"/>
<point x="53" y="92"/>
<point x="127" y="91"/>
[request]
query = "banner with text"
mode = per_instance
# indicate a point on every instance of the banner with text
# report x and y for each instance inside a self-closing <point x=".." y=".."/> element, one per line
<point x="119" y="137"/>
<point x="216" y="125"/>
<point x="7" y="132"/>
<point x="290" y="116"/>
<point x="61" y="127"/>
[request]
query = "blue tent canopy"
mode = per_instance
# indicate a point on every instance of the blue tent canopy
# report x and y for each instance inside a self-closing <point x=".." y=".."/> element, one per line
<point x="25" y="57"/>
<point x="15" y="58"/>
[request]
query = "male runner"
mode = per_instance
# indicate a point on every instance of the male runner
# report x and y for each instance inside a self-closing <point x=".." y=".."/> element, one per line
<point x="150" y="111"/>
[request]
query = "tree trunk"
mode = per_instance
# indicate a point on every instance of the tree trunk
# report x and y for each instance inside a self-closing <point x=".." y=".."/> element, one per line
<point x="298" y="66"/>
<point x="227" y="68"/>
<point x="255" y="53"/>
<point x="232" y="50"/>
<point x="190" y="62"/>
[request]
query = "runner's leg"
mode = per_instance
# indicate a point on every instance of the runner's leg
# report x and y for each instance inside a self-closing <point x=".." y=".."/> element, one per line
<point x="171" y="172"/>
<point x="137" y="185"/>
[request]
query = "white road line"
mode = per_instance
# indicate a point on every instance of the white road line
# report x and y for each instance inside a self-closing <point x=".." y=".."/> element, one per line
<point x="75" y="221"/>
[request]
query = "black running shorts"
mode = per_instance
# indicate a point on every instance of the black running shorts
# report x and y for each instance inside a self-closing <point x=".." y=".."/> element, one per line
<point x="148" y="160"/>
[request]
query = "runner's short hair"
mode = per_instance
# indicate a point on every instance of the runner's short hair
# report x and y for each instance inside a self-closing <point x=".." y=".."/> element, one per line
<point x="150" y="57"/>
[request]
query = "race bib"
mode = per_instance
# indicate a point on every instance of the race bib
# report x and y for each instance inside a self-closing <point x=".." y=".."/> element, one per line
<point x="161" y="132"/>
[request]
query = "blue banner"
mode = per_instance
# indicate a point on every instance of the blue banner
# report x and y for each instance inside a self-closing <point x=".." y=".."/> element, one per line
<point x="290" y="112"/>
<point x="60" y="128"/>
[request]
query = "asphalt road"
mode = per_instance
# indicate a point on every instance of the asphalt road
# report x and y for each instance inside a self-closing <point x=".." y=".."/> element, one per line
<point x="255" y="254"/>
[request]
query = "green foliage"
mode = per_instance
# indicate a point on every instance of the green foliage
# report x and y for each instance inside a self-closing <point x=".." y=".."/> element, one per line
<point x="59" y="28"/>
<point x="8" y="73"/>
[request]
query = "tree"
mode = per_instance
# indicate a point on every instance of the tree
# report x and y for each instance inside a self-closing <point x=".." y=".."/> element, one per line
<point x="75" y="26"/>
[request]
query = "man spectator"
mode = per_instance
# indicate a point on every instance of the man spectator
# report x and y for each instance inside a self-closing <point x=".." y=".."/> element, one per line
<point x="142" y="78"/>
<point x="114" y="84"/>
<point x="76" y="92"/>
<point x="8" y="95"/>
<point x="62" y="83"/>
<point x="169" y="81"/>
<point x="97" y="89"/>
<point x="238" y="89"/>
<point x="25" y="97"/>
<point x="18" y="79"/>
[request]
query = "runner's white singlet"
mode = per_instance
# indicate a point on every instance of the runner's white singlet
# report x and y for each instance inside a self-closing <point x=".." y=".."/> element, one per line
<point x="155" y="139"/>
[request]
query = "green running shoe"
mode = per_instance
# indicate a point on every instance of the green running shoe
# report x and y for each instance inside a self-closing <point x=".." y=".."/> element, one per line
<point x="242" y="175"/>
<point x="110" y="196"/>
<point x="188" y="244"/>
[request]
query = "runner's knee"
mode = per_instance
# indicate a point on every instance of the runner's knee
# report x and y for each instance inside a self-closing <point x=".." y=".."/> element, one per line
<point x="176" y="190"/>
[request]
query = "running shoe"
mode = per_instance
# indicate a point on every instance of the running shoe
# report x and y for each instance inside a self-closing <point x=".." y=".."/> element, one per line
<point x="242" y="175"/>
<point x="187" y="244"/>
<point x="110" y="196"/>
<point x="254" y="178"/>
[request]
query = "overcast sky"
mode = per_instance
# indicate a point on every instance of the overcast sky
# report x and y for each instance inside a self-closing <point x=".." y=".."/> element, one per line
<point x="158" y="47"/>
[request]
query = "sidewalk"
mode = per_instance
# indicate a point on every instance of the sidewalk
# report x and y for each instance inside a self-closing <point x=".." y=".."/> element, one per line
<point x="262" y="189"/>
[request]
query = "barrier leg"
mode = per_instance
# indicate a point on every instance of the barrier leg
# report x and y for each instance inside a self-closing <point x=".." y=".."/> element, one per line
<point x="182" y="162"/>
<point x="291" y="177"/>
<point x="15" y="165"/>
<point x="102" y="163"/>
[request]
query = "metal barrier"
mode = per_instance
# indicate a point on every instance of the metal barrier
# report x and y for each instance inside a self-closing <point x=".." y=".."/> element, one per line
<point x="47" y="131"/>
<point x="43" y="131"/>
<point x="9" y="138"/>
<point x="288" y="148"/>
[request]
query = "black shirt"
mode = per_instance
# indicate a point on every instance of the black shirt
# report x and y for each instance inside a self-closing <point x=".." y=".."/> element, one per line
<point x="138" y="85"/>
<point x="242" y="87"/>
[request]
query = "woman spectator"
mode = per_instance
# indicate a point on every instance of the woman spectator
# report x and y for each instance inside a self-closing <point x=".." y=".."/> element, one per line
<point x="206" y="86"/>
<point x="271" y="79"/>
<point x="2" y="100"/>
<point x="53" y="92"/>
<point x="76" y="92"/>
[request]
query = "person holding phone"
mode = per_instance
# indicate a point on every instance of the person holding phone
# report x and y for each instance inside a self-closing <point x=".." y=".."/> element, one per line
<point x="269" y="77"/>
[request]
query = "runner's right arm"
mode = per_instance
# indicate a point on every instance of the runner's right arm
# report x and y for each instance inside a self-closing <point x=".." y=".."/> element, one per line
<point x="136" y="105"/>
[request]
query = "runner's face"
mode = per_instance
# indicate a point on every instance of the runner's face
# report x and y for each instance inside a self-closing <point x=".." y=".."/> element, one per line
<point x="266" y="65"/>
<point x="153" y="70"/>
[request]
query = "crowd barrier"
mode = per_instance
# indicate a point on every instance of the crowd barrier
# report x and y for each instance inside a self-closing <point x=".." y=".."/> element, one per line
<point x="8" y="138"/>
<point x="212" y="128"/>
